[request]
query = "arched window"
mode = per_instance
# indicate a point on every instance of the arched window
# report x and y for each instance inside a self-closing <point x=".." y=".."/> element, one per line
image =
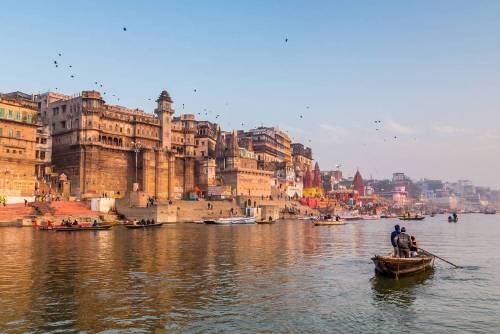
<point x="115" y="141"/>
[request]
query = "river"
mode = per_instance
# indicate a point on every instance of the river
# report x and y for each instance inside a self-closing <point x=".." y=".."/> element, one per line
<point x="287" y="277"/>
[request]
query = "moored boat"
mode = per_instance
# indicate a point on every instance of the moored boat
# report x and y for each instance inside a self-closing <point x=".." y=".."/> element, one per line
<point x="231" y="220"/>
<point x="396" y="266"/>
<point x="370" y="217"/>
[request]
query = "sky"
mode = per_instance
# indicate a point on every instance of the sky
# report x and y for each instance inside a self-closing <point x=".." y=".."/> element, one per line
<point x="429" y="71"/>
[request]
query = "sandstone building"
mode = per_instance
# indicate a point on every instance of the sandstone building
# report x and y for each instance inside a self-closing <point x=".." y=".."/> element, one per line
<point x="18" y="133"/>
<point x="107" y="149"/>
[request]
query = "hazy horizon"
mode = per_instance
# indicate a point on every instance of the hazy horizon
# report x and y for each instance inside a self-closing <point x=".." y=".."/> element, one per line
<point x="429" y="72"/>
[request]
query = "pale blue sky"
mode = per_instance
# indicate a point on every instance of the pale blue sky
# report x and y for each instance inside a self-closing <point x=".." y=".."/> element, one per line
<point x="429" y="70"/>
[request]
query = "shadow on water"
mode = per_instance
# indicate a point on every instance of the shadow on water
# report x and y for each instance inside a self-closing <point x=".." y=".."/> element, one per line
<point x="400" y="291"/>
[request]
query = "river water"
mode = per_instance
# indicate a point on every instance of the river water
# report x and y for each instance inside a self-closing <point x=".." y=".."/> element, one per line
<point x="288" y="277"/>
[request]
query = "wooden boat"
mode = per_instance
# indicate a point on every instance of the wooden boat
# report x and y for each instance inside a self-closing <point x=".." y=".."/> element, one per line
<point x="329" y="222"/>
<point x="139" y="226"/>
<point x="411" y="217"/>
<point x="231" y="221"/>
<point x="396" y="266"/>
<point x="74" y="228"/>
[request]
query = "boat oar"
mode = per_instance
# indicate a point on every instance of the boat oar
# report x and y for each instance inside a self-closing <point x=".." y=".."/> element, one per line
<point x="454" y="265"/>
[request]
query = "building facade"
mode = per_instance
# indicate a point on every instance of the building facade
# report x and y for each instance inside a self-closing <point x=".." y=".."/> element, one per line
<point x="18" y="133"/>
<point x="106" y="149"/>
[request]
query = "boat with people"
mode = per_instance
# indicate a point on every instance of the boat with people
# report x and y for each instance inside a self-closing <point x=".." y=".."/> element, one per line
<point x="399" y="266"/>
<point x="74" y="228"/>
<point x="329" y="222"/>
<point x="231" y="221"/>
<point x="453" y="218"/>
<point x="411" y="216"/>
<point x="140" y="226"/>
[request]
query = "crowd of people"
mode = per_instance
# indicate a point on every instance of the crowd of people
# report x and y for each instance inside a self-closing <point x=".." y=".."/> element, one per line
<point x="404" y="245"/>
<point x="145" y="222"/>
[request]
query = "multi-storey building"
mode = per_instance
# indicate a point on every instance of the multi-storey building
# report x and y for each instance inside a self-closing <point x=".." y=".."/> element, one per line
<point x="18" y="133"/>
<point x="270" y="145"/>
<point x="237" y="167"/>
<point x="206" y="140"/>
<point x="302" y="157"/>
<point x="109" y="149"/>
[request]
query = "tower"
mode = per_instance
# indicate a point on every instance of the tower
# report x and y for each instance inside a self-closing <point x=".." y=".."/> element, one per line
<point x="317" y="177"/>
<point x="164" y="112"/>
<point x="358" y="183"/>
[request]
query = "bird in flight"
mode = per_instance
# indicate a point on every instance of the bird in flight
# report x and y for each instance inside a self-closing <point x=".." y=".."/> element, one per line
<point x="195" y="90"/>
<point x="286" y="39"/>
<point x="72" y="76"/>
<point x="124" y="28"/>
<point x="59" y="54"/>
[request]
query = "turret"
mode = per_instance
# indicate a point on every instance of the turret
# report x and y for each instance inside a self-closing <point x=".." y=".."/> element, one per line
<point x="164" y="112"/>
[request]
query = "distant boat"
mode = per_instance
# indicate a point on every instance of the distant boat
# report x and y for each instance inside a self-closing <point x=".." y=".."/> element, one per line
<point x="389" y="216"/>
<point x="231" y="220"/>
<point x="139" y="226"/>
<point x="396" y="266"/>
<point x="350" y="215"/>
<point x="490" y="211"/>
<point x="77" y="228"/>
<point x="411" y="218"/>
<point x="329" y="222"/>
<point x="370" y="217"/>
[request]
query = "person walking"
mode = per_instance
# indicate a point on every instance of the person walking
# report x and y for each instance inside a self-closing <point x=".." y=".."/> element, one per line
<point x="404" y="243"/>
<point x="394" y="235"/>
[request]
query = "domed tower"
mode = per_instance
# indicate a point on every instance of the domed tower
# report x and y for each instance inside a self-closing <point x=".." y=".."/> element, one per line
<point x="164" y="112"/>
<point x="358" y="183"/>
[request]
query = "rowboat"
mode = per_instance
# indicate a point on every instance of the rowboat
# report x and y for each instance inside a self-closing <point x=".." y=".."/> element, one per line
<point x="75" y="228"/>
<point x="411" y="218"/>
<point x="329" y="222"/>
<point x="138" y="226"/>
<point x="396" y="266"/>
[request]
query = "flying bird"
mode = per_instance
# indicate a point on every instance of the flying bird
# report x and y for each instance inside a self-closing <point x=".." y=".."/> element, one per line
<point x="124" y="28"/>
<point x="72" y="76"/>
<point x="286" y="39"/>
<point x="195" y="90"/>
<point x="59" y="54"/>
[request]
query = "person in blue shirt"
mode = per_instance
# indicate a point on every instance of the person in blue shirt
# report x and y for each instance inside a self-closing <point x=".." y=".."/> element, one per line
<point x="394" y="236"/>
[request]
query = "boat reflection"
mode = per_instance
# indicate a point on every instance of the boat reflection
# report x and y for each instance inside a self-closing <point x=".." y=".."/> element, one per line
<point x="401" y="292"/>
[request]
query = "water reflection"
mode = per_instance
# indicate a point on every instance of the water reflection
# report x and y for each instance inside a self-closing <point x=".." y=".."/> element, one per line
<point x="286" y="277"/>
<point x="402" y="292"/>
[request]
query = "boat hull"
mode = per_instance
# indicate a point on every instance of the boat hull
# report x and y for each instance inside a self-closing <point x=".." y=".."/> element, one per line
<point x="397" y="267"/>
<point x="144" y="226"/>
<point x="79" y="229"/>
<point x="329" y="223"/>
<point x="411" y="218"/>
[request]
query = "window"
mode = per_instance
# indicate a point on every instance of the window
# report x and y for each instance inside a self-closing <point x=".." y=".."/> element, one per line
<point x="42" y="155"/>
<point x="11" y="114"/>
<point x="2" y="112"/>
<point x="37" y="154"/>
<point x="1" y="132"/>
<point x="18" y="134"/>
<point x="18" y="116"/>
<point x="11" y="133"/>
<point x="63" y="124"/>
<point x="43" y="140"/>
<point x="14" y="151"/>
<point x="29" y="118"/>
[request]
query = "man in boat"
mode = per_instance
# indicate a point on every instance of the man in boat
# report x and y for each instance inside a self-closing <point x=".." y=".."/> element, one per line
<point x="403" y="241"/>
<point x="414" y="247"/>
<point x="394" y="236"/>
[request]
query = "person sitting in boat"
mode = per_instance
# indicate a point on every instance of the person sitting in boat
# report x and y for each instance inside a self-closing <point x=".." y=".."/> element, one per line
<point x="404" y="243"/>
<point x="414" y="247"/>
<point x="143" y="222"/>
<point x="147" y="221"/>
<point x="152" y="221"/>
<point x="94" y="223"/>
<point x="394" y="236"/>
<point x="75" y="223"/>
<point x="337" y="218"/>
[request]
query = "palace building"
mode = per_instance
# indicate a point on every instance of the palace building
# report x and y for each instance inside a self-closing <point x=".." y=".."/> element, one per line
<point x="107" y="149"/>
